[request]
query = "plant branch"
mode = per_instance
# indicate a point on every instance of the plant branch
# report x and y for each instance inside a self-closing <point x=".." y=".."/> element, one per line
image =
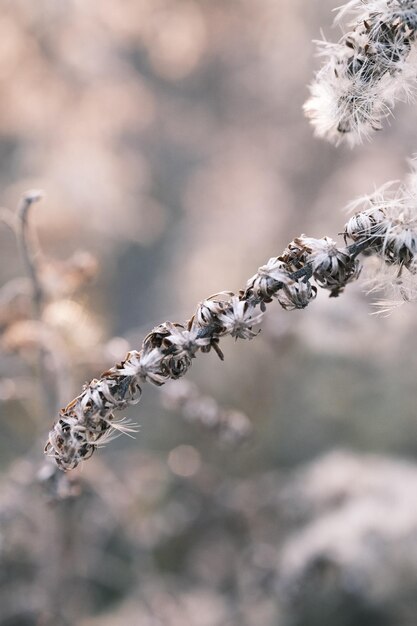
<point x="167" y="351"/>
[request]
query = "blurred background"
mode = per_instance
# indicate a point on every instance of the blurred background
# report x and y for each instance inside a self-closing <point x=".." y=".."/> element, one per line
<point x="277" y="488"/>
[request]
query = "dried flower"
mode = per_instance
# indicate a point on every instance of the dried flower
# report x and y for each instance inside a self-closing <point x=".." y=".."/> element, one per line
<point x="389" y="220"/>
<point x="364" y="74"/>
<point x="297" y="295"/>
<point x="239" y="317"/>
<point x="388" y="223"/>
<point x="264" y="283"/>
<point x="333" y="267"/>
<point x="385" y="225"/>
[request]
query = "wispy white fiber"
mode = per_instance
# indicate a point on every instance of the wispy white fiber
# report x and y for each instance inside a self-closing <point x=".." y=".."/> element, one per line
<point x="366" y="72"/>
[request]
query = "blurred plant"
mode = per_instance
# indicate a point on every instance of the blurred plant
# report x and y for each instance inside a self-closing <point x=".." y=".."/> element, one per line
<point x="351" y="558"/>
<point x="33" y="309"/>
<point x="232" y="426"/>
<point x="363" y="75"/>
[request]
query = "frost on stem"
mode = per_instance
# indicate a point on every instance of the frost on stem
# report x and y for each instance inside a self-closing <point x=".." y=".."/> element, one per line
<point x="363" y="75"/>
<point x="384" y="225"/>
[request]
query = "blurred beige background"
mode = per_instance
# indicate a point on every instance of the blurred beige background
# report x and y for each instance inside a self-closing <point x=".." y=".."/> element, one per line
<point x="169" y="138"/>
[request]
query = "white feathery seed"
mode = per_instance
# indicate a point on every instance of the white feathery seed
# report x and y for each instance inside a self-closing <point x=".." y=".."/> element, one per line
<point x="366" y="72"/>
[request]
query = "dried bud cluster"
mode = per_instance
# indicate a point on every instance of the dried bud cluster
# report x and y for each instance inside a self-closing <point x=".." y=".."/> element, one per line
<point x="167" y="352"/>
<point x="385" y="226"/>
<point x="388" y="223"/>
<point x="332" y="267"/>
<point x="366" y="72"/>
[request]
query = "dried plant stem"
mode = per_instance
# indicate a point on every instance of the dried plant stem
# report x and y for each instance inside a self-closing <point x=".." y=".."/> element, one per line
<point x="385" y="227"/>
<point x="25" y="241"/>
<point x="29" y="254"/>
<point x="167" y="352"/>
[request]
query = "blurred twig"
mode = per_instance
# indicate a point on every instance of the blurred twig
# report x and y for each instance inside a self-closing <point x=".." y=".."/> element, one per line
<point x="30" y="259"/>
<point x="26" y="245"/>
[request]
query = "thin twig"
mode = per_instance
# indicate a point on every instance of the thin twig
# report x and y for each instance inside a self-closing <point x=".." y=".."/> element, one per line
<point x="30" y="258"/>
<point x="27" y="250"/>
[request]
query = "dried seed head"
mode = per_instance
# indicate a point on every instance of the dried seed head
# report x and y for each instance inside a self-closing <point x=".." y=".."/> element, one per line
<point x="297" y="295"/>
<point x="294" y="255"/>
<point x="208" y="311"/>
<point x="389" y="221"/>
<point x="386" y="223"/>
<point x="237" y="320"/>
<point x="366" y="225"/>
<point x="146" y="366"/>
<point x="269" y="277"/>
<point x="332" y="267"/>
<point x="88" y="421"/>
<point x="366" y="72"/>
